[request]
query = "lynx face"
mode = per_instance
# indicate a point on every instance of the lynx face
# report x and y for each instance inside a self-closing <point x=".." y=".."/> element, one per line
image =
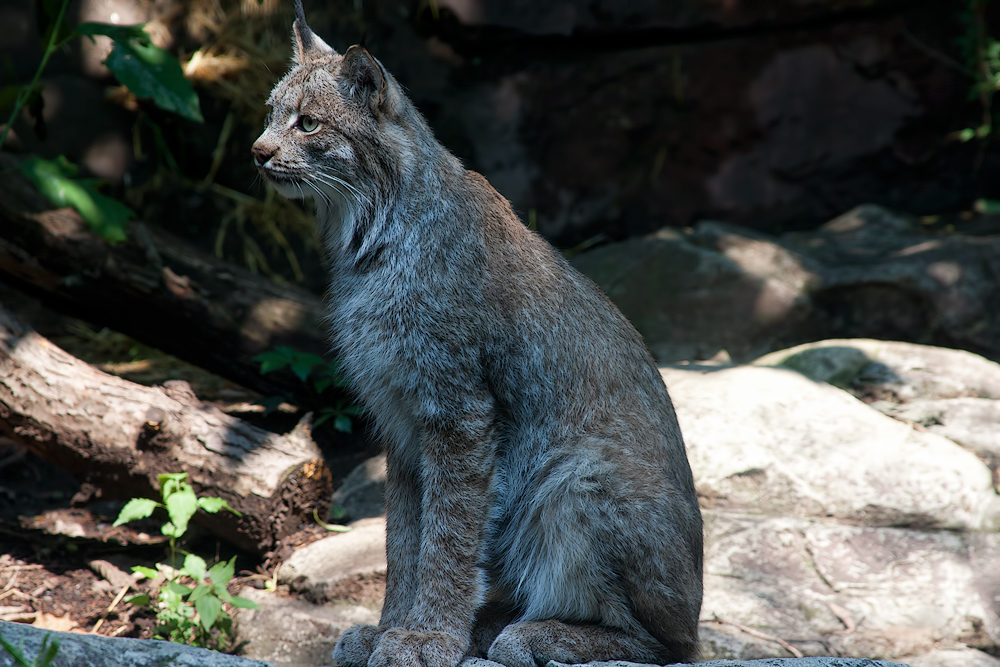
<point x="332" y="133"/>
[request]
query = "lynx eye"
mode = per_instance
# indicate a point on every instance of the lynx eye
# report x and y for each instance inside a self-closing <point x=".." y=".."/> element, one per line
<point x="307" y="123"/>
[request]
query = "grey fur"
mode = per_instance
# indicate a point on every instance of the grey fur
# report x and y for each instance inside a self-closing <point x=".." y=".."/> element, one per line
<point x="540" y="504"/>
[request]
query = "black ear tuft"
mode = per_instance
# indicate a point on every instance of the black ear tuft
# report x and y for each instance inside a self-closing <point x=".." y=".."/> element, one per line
<point x="307" y="44"/>
<point x="363" y="77"/>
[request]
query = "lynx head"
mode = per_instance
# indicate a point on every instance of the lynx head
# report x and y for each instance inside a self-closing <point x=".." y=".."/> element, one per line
<point x="340" y="128"/>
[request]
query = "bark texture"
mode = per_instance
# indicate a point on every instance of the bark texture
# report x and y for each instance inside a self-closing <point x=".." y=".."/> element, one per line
<point x="120" y="436"/>
<point x="157" y="289"/>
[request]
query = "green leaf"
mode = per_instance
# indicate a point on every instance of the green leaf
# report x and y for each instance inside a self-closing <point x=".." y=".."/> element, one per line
<point x="223" y="594"/>
<point x="118" y="33"/>
<point x="140" y="600"/>
<point x="194" y="567"/>
<point x="200" y="591"/>
<point x="137" y="508"/>
<point x="987" y="206"/>
<point x="171" y="482"/>
<point x="275" y="359"/>
<point x="222" y="572"/>
<point x="323" y="415"/>
<point x="178" y="588"/>
<point x="147" y="572"/>
<point x="212" y="505"/>
<point x="243" y="603"/>
<point x="170" y="530"/>
<point x="151" y="72"/>
<point x="181" y="506"/>
<point x="271" y="403"/>
<point x="342" y="423"/>
<point x="14" y="651"/>
<point x="47" y="651"/>
<point x="303" y="363"/>
<point x="53" y="178"/>
<point x="208" y="609"/>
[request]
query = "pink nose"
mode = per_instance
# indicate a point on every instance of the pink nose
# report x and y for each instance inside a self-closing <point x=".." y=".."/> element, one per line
<point x="261" y="155"/>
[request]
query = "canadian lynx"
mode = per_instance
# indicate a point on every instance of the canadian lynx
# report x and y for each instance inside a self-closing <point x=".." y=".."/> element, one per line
<point x="539" y="504"/>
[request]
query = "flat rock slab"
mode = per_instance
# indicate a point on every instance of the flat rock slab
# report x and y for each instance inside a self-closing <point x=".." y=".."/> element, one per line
<point x="958" y="657"/>
<point x="289" y="632"/>
<point x="772" y="441"/>
<point x="94" y="651"/>
<point x="767" y="662"/>
<point x="912" y="371"/>
<point x="345" y="566"/>
<point x="828" y="588"/>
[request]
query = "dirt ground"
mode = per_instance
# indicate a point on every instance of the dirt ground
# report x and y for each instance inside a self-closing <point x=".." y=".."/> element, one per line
<point x="63" y="566"/>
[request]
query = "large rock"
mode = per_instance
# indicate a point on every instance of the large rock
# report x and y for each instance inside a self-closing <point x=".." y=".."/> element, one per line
<point x="828" y="588"/>
<point x="94" y="651"/>
<point x="689" y="301"/>
<point x="952" y="393"/>
<point x="908" y="371"/>
<point x="360" y="495"/>
<point x="345" y="566"/>
<point x="870" y="273"/>
<point x="884" y="277"/>
<point x="769" y="440"/>
<point x="290" y="632"/>
<point x="614" y="119"/>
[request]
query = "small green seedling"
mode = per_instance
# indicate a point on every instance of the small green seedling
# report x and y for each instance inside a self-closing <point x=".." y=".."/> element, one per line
<point x="187" y="614"/>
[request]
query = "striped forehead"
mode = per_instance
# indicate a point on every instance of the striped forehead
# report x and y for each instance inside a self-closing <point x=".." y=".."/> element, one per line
<point x="305" y="83"/>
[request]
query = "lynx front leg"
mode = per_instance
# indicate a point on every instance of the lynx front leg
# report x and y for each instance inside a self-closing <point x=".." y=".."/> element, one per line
<point x="402" y="545"/>
<point x="458" y="460"/>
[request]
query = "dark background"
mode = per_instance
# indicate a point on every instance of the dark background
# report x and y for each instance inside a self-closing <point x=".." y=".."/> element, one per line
<point x="594" y="118"/>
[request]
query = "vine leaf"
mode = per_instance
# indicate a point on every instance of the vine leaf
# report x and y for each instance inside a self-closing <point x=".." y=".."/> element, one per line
<point x="147" y="70"/>
<point x="55" y="180"/>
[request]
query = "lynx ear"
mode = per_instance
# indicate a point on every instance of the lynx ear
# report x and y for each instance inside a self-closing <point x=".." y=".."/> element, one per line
<point x="308" y="45"/>
<point x="364" y="78"/>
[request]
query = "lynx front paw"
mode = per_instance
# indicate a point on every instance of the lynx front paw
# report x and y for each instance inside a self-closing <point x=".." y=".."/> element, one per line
<point x="355" y="647"/>
<point x="406" y="648"/>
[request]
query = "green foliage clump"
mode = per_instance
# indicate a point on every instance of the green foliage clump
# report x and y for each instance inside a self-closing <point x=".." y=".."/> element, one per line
<point x="981" y="52"/>
<point x="189" y="605"/>
<point x="320" y="375"/>
<point x="144" y="68"/>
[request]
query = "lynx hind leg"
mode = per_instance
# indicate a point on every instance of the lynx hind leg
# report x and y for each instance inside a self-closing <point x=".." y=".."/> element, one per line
<point x="356" y="645"/>
<point x="533" y="643"/>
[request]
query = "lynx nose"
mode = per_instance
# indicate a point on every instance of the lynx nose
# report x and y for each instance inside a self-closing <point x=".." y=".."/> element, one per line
<point x="261" y="154"/>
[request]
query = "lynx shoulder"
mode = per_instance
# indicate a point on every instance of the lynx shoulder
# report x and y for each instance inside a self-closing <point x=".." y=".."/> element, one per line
<point x="540" y="505"/>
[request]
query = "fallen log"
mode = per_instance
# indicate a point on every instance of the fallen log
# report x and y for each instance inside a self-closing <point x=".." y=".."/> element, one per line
<point x="120" y="436"/>
<point x="157" y="289"/>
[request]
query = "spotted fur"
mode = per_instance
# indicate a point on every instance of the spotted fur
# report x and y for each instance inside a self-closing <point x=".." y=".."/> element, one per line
<point x="539" y="503"/>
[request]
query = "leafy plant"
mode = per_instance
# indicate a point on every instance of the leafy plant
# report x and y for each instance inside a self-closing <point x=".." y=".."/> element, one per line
<point x="46" y="652"/>
<point x="320" y="375"/>
<point x="186" y="614"/>
<point x="144" y="68"/>
<point x="55" y="179"/>
<point x="982" y="54"/>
